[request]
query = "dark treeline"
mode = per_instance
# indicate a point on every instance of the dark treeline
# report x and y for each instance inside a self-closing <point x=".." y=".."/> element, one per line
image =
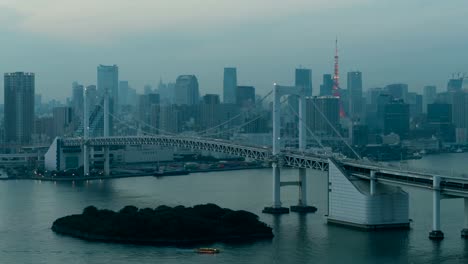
<point x="172" y="224"/>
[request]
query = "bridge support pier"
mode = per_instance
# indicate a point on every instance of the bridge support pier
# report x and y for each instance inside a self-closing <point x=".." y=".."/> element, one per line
<point x="85" y="160"/>
<point x="302" y="206"/>
<point x="372" y="183"/>
<point x="276" y="208"/>
<point x="106" y="161"/>
<point x="436" y="234"/>
<point x="464" y="232"/>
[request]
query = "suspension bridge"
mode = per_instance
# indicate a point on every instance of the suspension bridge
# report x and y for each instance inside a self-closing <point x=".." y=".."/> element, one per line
<point x="361" y="193"/>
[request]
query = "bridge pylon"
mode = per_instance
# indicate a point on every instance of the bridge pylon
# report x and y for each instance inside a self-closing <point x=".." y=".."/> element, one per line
<point x="464" y="232"/>
<point x="436" y="233"/>
<point x="302" y="206"/>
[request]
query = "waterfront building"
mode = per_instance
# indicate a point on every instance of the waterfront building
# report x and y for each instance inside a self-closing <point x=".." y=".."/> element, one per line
<point x="19" y="107"/>
<point x="396" y="118"/>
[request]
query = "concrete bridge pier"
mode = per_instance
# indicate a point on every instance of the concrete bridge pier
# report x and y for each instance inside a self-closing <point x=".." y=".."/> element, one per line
<point x="436" y="233"/>
<point x="106" y="161"/>
<point x="372" y="183"/>
<point x="85" y="160"/>
<point x="276" y="208"/>
<point x="464" y="232"/>
<point x="302" y="206"/>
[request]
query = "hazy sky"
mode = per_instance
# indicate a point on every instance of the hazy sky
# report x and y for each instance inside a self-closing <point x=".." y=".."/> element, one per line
<point x="418" y="42"/>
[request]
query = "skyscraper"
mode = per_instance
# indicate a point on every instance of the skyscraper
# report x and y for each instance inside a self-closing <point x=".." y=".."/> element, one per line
<point x="326" y="89"/>
<point x="186" y="90"/>
<point x="108" y="80"/>
<point x="455" y="84"/>
<point x="19" y="107"/>
<point x="77" y="99"/>
<point x="397" y="90"/>
<point x="355" y="94"/>
<point x="304" y="79"/>
<point x="124" y="93"/>
<point x="229" y="85"/>
<point x="396" y="118"/>
<point x="429" y="96"/>
<point x="323" y="115"/>
<point x="245" y="96"/>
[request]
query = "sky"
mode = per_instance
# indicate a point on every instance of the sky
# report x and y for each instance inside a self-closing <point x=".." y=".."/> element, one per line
<point x="418" y="42"/>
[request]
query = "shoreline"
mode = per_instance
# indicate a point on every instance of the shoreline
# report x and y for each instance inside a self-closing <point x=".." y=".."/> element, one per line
<point x="156" y="242"/>
<point x="120" y="176"/>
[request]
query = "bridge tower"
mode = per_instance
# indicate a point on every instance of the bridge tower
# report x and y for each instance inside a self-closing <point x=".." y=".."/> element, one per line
<point x="276" y="208"/>
<point x="106" y="133"/>
<point x="436" y="233"/>
<point x="464" y="232"/>
<point x="85" y="135"/>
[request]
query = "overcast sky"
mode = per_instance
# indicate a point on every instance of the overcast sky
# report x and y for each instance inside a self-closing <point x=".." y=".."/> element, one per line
<point x="418" y="42"/>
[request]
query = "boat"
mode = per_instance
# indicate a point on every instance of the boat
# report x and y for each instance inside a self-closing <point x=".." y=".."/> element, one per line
<point x="207" y="250"/>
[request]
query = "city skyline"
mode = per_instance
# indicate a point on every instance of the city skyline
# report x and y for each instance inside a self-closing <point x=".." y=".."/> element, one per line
<point x="251" y="39"/>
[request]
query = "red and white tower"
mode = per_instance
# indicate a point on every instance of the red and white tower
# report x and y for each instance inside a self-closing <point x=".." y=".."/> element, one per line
<point x="336" y="80"/>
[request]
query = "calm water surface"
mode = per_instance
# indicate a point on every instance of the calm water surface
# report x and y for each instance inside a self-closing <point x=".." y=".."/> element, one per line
<point x="28" y="209"/>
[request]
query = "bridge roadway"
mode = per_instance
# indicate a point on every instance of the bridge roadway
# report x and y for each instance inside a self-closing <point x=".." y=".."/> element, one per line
<point x="450" y="185"/>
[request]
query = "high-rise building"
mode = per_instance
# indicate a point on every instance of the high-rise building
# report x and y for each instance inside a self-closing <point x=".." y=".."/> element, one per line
<point x="439" y="113"/>
<point x="108" y="80"/>
<point x="211" y="99"/>
<point x="166" y="92"/>
<point x="323" y="115"/>
<point x="19" y="107"/>
<point x="356" y="107"/>
<point x="186" y="90"/>
<point x="77" y="98"/>
<point x="396" y="118"/>
<point x="62" y="117"/>
<point x="245" y="96"/>
<point x="397" y="90"/>
<point x="229" y="85"/>
<point x="326" y="89"/>
<point x="149" y="112"/>
<point x="455" y="84"/>
<point x="304" y="79"/>
<point x="92" y="98"/>
<point x="439" y="121"/>
<point x="429" y="96"/>
<point x="124" y="93"/>
<point x="415" y="102"/>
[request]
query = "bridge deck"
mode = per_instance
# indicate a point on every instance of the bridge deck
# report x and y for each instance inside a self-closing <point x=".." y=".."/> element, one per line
<point x="453" y="185"/>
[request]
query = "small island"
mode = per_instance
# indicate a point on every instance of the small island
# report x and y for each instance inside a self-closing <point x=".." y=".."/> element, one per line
<point x="164" y="226"/>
